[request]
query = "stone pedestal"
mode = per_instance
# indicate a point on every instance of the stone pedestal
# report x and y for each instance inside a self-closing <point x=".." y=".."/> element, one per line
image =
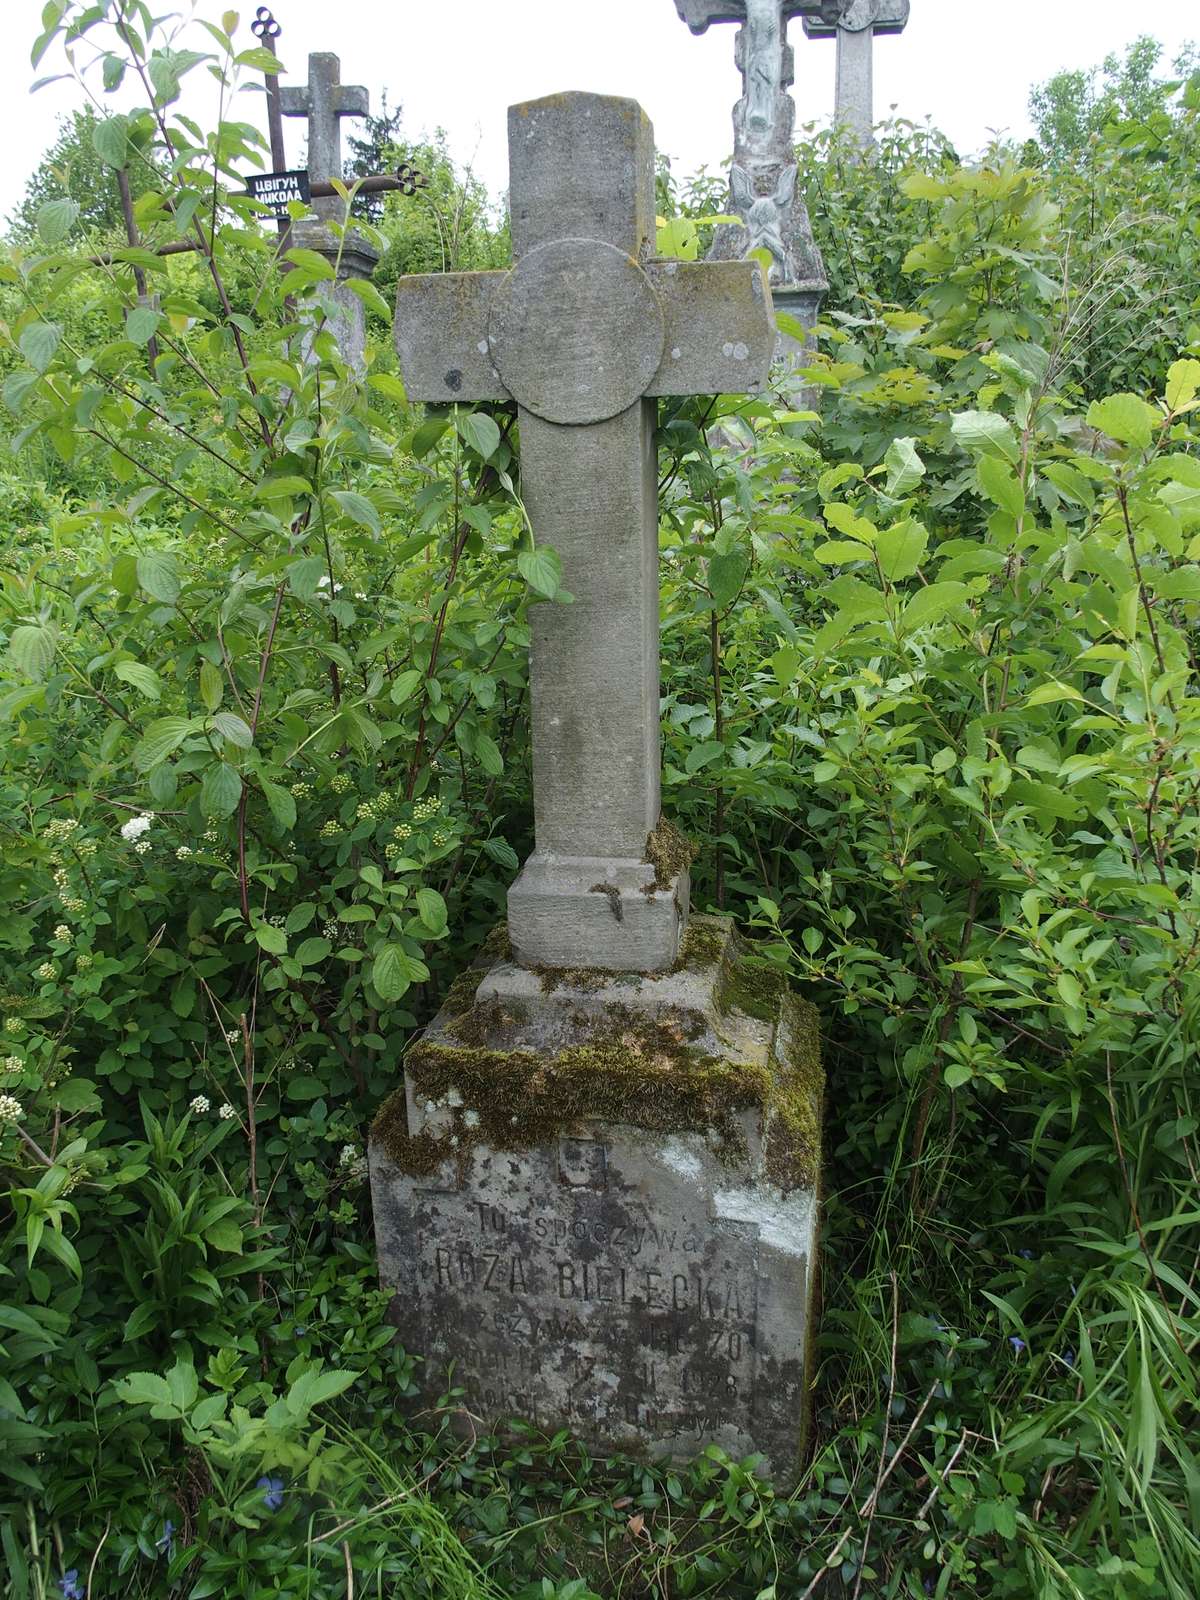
<point x="345" y="313"/>
<point x="596" y="1196"/>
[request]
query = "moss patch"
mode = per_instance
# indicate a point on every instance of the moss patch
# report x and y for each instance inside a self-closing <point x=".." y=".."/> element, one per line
<point x="793" y="1154"/>
<point x="669" y="852"/>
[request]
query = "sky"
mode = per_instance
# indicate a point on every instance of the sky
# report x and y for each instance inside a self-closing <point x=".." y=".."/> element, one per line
<point x="966" y="65"/>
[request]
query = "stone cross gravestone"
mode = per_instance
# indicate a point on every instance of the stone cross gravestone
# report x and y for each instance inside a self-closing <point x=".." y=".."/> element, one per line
<point x="324" y="101"/>
<point x="762" y="178"/>
<point x="854" y="24"/>
<point x="584" y="332"/>
<point x="595" y="1192"/>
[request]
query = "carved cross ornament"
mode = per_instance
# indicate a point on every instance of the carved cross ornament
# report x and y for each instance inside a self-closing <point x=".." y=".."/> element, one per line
<point x="584" y="332"/>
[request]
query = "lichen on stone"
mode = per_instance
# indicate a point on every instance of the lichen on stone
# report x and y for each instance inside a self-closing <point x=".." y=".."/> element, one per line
<point x="669" y="852"/>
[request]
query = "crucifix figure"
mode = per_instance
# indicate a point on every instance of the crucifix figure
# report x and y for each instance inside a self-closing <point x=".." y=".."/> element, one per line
<point x="854" y="23"/>
<point x="325" y="100"/>
<point x="584" y="333"/>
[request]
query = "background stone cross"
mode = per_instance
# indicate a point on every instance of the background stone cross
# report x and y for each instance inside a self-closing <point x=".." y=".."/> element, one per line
<point x="584" y="332"/>
<point x="854" y="23"/>
<point x="325" y="100"/>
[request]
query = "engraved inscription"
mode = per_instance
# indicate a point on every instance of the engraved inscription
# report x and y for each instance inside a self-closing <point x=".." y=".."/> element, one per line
<point x="590" y="1310"/>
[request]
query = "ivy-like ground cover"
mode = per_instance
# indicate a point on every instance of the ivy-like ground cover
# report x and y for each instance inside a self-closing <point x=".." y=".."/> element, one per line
<point x="930" y="704"/>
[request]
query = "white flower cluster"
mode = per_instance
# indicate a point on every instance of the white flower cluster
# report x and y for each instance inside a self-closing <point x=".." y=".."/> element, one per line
<point x="61" y="828"/>
<point x="424" y="809"/>
<point x="233" y="1035"/>
<point x="47" y="972"/>
<point x="199" y="1105"/>
<point x="14" y="1025"/>
<point x="136" y="827"/>
<point x="11" y="1109"/>
<point x="143" y="847"/>
<point x="302" y="790"/>
<point x="83" y="961"/>
<point x="331" y="829"/>
<point x="184" y="853"/>
<point x="352" y="1163"/>
<point x="339" y="783"/>
<point x="62" y="933"/>
<point x="13" y="1064"/>
<point x="226" y="1112"/>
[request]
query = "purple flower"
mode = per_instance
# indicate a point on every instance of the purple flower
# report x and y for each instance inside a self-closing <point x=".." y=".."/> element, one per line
<point x="1017" y="1344"/>
<point x="69" y="1585"/>
<point x="272" y="1489"/>
<point x="1068" y="1357"/>
<point x="1028" y="1254"/>
<point x="165" y="1545"/>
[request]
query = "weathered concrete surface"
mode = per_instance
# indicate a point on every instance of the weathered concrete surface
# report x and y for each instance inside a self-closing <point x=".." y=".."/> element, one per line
<point x="584" y="329"/>
<point x="597" y="1197"/>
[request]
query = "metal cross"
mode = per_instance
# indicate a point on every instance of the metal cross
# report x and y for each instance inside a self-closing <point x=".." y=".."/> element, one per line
<point x="325" y="101"/>
<point x="584" y="333"/>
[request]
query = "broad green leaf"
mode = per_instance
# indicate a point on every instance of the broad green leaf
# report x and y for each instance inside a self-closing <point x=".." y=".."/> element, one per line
<point x="403" y="685"/>
<point x="160" y="739"/>
<point x="270" y="938"/>
<point x="110" y="139"/>
<point x="1000" y="484"/>
<point x="1183" y="382"/>
<point x="901" y="549"/>
<point x="17" y="389"/>
<point x="847" y="521"/>
<point x="985" y="433"/>
<point x="487" y="752"/>
<point x="309" y="951"/>
<point x="359" y="509"/>
<point x="230" y="726"/>
<point x="480" y="432"/>
<point x="931" y="604"/>
<point x="431" y="909"/>
<point x="143" y="678"/>
<point x="1047" y="693"/>
<point x="726" y="575"/>
<point x="142" y="324"/>
<point x="212" y="686"/>
<point x="304" y="576"/>
<point x="836" y="552"/>
<point x="221" y="790"/>
<point x="55" y="220"/>
<point x="282" y="804"/>
<point x="282" y="487"/>
<point x="502" y="853"/>
<point x="159" y="576"/>
<point x="31" y="648"/>
<point x="389" y="385"/>
<point x="541" y="569"/>
<point x="905" y="467"/>
<point x="312" y="264"/>
<point x="389" y="973"/>
<point x="1126" y="418"/>
<point x="38" y="342"/>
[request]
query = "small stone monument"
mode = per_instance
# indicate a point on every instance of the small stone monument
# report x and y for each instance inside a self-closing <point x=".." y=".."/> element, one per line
<point x="595" y="1194"/>
<point x="324" y="101"/>
<point x="854" y="24"/>
<point x="762" y="179"/>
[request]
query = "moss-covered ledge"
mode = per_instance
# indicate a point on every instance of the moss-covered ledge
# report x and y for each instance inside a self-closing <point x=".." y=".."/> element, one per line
<point x="486" y="1076"/>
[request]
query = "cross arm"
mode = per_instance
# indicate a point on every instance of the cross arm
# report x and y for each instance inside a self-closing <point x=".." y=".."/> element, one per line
<point x="294" y="101"/>
<point x="720" y="329"/>
<point x="442" y="336"/>
<point x="351" y="100"/>
<point x="698" y="14"/>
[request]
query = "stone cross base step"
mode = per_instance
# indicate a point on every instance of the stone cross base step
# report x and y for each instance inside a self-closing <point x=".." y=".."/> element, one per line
<point x="596" y="1196"/>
